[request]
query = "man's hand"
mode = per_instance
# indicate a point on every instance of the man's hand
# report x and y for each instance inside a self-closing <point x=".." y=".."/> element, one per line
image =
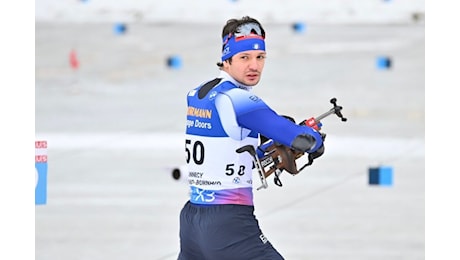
<point x="317" y="153"/>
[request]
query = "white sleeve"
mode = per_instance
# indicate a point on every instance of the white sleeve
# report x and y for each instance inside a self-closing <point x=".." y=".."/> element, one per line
<point x="227" y="116"/>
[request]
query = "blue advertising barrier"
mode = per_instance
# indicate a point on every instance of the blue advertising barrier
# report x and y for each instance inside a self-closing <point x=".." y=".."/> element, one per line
<point x="41" y="171"/>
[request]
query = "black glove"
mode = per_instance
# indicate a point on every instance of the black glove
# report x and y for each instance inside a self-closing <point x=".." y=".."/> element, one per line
<point x="318" y="152"/>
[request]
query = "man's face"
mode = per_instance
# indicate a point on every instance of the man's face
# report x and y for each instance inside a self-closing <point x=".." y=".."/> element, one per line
<point x="246" y="67"/>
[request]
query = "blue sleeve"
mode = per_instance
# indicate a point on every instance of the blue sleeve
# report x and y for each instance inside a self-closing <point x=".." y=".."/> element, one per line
<point x="276" y="127"/>
<point x="252" y="113"/>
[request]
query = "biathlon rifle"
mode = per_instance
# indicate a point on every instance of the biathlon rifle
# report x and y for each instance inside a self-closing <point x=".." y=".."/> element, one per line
<point x="278" y="157"/>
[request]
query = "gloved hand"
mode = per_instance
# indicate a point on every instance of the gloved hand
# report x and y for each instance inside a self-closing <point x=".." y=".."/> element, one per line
<point x="317" y="153"/>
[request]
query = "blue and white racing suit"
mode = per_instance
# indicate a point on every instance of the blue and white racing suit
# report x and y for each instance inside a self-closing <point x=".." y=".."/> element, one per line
<point x="220" y="120"/>
<point x="222" y="116"/>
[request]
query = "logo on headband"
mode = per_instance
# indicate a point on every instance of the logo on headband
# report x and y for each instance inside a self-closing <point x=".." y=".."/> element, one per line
<point x="226" y="51"/>
<point x="256" y="46"/>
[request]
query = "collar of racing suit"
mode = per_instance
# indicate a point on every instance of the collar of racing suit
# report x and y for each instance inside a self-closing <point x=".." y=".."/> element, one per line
<point x="226" y="77"/>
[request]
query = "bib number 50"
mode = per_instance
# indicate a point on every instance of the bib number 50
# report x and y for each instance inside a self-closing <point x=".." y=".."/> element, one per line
<point x="194" y="151"/>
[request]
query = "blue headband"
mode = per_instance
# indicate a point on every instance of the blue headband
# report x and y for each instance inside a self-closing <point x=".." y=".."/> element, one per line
<point x="234" y="45"/>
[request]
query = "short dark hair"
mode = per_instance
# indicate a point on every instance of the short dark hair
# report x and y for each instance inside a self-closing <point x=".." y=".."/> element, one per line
<point x="230" y="28"/>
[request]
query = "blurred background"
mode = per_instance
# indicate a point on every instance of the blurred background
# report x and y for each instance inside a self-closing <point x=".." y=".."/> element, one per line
<point x="110" y="87"/>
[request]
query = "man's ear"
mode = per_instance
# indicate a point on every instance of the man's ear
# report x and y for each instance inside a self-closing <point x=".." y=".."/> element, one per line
<point x="226" y="64"/>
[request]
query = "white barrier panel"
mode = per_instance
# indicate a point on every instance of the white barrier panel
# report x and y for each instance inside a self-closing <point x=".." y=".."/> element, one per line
<point x="205" y="11"/>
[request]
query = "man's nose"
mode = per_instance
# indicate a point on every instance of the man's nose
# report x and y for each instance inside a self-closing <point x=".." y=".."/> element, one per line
<point x="254" y="64"/>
